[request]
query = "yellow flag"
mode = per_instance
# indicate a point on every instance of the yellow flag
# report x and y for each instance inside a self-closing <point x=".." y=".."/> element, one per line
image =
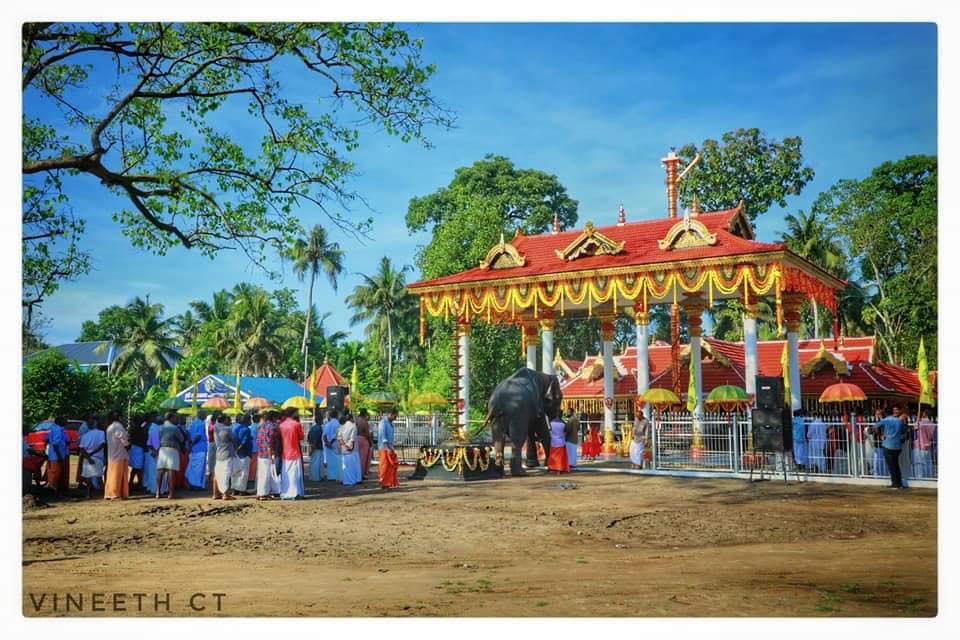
<point x="236" y="395"/>
<point x="692" y="385"/>
<point x="923" y="375"/>
<point x="785" y="363"/>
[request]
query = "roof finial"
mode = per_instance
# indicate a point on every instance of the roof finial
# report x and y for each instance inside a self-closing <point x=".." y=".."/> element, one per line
<point x="556" y="223"/>
<point x="326" y="359"/>
<point x="696" y="207"/>
<point x="621" y="217"/>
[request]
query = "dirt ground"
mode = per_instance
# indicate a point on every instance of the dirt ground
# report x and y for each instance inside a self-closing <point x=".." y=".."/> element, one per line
<point x="612" y="545"/>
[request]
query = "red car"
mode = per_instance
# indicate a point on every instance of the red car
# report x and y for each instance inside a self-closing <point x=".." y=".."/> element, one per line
<point x="37" y="438"/>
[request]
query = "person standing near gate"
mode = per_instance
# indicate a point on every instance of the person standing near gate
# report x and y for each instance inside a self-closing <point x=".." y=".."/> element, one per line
<point x="891" y="430"/>
<point x="638" y="440"/>
<point x="817" y="439"/>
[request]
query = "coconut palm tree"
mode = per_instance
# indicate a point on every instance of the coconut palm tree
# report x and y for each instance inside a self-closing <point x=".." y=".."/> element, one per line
<point x="809" y="238"/>
<point x="380" y="301"/>
<point x="147" y="346"/>
<point x="313" y="255"/>
<point x="254" y="334"/>
<point x="185" y="327"/>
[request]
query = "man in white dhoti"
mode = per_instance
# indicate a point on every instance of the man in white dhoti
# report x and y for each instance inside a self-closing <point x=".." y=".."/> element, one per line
<point x="244" y="443"/>
<point x="268" y="452"/>
<point x="172" y="441"/>
<point x="315" y="440"/>
<point x="291" y="474"/>
<point x="331" y="450"/>
<point x="349" y="453"/>
<point x="93" y="446"/>
<point x="638" y="440"/>
<point x="226" y="452"/>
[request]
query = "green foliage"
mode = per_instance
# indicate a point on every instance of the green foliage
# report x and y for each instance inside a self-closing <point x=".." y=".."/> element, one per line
<point x="111" y="324"/>
<point x="744" y="165"/>
<point x="391" y="313"/>
<point x="52" y="386"/>
<point x="467" y="217"/>
<point x="146" y="346"/>
<point x="155" y="136"/>
<point x="888" y="223"/>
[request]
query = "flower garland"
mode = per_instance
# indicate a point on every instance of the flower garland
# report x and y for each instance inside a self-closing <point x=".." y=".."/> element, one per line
<point x="501" y="300"/>
<point x="452" y="459"/>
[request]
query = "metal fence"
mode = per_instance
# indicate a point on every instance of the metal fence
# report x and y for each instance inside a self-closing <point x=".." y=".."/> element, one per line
<point x="826" y="447"/>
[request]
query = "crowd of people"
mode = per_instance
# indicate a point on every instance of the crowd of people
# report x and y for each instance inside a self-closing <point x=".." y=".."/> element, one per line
<point x="821" y="443"/>
<point x="162" y="455"/>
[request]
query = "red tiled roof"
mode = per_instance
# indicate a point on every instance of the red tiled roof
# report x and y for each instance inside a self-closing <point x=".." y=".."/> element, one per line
<point x="878" y="379"/>
<point x="640" y="248"/>
<point x="324" y="376"/>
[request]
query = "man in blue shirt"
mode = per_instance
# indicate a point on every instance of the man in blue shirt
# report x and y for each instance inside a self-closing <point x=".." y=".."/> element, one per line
<point x="58" y="457"/>
<point x="244" y="442"/>
<point x="891" y="429"/>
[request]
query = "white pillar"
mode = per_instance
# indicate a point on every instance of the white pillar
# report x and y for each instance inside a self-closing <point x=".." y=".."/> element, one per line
<point x="694" y="306"/>
<point x="463" y="337"/>
<point x="530" y="334"/>
<point x="546" y="329"/>
<point x="643" y="357"/>
<point x="697" y="357"/>
<point x="793" y="354"/>
<point x="791" y="313"/>
<point x="750" y="350"/>
<point x="606" y="333"/>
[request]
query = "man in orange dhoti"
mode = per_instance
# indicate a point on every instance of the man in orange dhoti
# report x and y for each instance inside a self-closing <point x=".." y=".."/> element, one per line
<point x="388" y="457"/>
<point x="118" y="441"/>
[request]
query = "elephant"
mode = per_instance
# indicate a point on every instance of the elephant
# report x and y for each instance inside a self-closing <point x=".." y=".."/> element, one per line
<point x="521" y="406"/>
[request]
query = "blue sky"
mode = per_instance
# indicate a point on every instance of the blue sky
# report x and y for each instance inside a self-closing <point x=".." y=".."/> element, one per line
<point x="596" y="104"/>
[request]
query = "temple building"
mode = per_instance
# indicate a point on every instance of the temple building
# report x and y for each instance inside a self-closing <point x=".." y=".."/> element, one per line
<point x="854" y="360"/>
<point x="687" y="261"/>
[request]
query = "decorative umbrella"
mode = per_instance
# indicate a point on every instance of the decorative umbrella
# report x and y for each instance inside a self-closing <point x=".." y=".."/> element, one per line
<point x="216" y="402"/>
<point x="381" y="399"/>
<point x="728" y="397"/>
<point x="429" y="399"/>
<point x="257" y="404"/>
<point x="298" y="402"/>
<point x="842" y="392"/>
<point x="174" y="402"/>
<point x="660" y="398"/>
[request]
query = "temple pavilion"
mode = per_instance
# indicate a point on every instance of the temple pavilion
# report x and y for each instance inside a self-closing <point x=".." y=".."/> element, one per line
<point x="687" y="261"/>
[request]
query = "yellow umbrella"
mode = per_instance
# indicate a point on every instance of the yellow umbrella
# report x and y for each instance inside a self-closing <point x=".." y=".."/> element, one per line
<point x="298" y="402"/>
<point x="660" y="398"/>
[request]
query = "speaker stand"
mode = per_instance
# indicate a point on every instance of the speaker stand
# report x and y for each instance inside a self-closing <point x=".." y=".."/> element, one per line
<point x="763" y="458"/>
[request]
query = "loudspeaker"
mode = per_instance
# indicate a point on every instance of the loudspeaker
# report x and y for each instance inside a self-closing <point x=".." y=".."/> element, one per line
<point x="336" y="394"/>
<point x="769" y="392"/>
<point x="772" y="430"/>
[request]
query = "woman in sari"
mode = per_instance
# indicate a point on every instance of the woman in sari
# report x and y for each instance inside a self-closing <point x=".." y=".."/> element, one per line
<point x="591" y="446"/>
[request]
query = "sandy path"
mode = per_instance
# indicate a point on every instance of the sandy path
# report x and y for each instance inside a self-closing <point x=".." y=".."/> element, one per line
<point x="615" y="546"/>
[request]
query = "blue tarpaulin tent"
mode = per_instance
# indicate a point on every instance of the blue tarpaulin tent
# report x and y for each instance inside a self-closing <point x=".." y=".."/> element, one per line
<point x="276" y="390"/>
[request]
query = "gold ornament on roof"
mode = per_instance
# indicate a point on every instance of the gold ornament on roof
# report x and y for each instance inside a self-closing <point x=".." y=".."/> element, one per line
<point x="590" y="243"/>
<point x="503" y="255"/>
<point x="822" y="359"/>
<point x="687" y="233"/>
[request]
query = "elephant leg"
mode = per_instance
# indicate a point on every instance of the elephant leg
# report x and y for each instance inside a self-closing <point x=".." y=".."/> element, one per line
<point x="498" y="453"/>
<point x="532" y="460"/>
<point x="544" y="434"/>
<point x="516" y="457"/>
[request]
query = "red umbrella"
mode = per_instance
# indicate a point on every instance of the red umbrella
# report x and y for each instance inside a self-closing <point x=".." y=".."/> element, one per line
<point x="842" y="392"/>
